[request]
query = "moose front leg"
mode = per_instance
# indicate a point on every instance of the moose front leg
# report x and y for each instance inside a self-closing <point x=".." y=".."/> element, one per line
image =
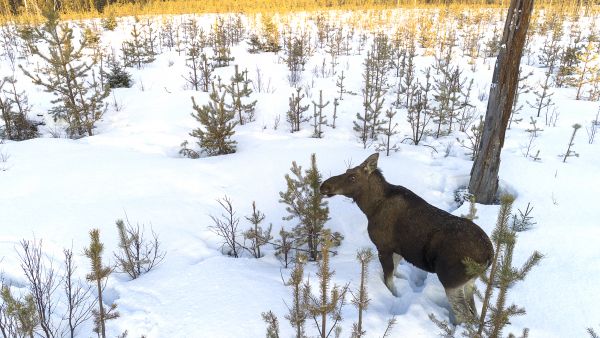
<point x="387" y="264"/>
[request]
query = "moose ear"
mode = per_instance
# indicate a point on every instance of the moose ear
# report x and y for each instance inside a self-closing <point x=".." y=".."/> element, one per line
<point x="370" y="164"/>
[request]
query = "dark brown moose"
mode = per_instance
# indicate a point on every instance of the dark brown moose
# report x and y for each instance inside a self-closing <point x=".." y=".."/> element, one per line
<point x="402" y="223"/>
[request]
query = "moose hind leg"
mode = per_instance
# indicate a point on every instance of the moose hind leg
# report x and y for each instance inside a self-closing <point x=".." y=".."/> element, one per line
<point x="469" y="296"/>
<point x="459" y="308"/>
<point x="397" y="259"/>
<point x="387" y="264"/>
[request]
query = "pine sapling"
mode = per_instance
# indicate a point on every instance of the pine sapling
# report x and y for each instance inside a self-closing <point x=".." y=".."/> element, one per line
<point x="79" y="97"/>
<point x="543" y="99"/>
<point x="138" y="50"/>
<point x="570" y="152"/>
<point x="217" y="125"/>
<point x="19" y="315"/>
<point x="206" y="70"/>
<point x="319" y="119"/>
<point x="419" y="109"/>
<point x="14" y="107"/>
<point x="257" y="236"/>
<point x="340" y="84"/>
<point x="474" y="138"/>
<point x="240" y="89"/>
<point x="99" y="274"/>
<point x="295" y="114"/>
<point x="193" y="62"/>
<point x="586" y="69"/>
<point x="297" y="312"/>
<point x="116" y="76"/>
<point x="137" y="254"/>
<point x="336" y="103"/>
<point x="272" y="324"/>
<point x="305" y="203"/>
<point x="220" y="44"/>
<point x="388" y="131"/>
<point x="523" y="88"/>
<point x="330" y="300"/>
<point x="534" y="130"/>
<point x="284" y="246"/>
<point x="360" y="299"/>
<point x="593" y="129"/>
<point x="502" y="276"/>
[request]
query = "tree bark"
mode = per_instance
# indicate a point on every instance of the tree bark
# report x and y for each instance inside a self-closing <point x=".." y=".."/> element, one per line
<point x="484" y="174"/>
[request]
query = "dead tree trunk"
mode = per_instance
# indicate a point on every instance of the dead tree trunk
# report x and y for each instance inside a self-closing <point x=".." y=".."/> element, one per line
<point x="484" y="174"/>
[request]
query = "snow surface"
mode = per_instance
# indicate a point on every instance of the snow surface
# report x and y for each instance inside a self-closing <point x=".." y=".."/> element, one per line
<point x="58" y="189"/>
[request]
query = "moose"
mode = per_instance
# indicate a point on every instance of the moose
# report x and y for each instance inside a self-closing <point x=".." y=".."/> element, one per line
<point x="402" y="223"/>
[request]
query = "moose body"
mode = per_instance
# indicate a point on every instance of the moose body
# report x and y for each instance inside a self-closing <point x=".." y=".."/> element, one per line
<point x="400" y="222"/>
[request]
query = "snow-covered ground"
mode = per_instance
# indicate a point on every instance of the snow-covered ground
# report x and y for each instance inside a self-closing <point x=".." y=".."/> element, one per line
<point x="57" y="189"/>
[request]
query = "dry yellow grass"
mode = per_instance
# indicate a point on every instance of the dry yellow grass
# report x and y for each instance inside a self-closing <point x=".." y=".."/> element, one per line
<point x="79" y="9"/>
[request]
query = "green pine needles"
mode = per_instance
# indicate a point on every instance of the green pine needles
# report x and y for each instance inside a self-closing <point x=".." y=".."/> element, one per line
<point x="99" y="273"/>
<point x="305" y="203"/>
<point x="65" y="73"/>
<point x="217" y="120"/>
<point x="495" y="310"/>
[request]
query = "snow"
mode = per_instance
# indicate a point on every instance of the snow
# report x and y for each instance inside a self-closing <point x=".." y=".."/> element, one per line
<point x="58" y="189"/>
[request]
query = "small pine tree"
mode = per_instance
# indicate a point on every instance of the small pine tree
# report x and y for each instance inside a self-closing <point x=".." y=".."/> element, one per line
<point x="218" y="125"/>
<point x="523" y="88"/>
<point x="407" y="79"/>
<point x="495" y="313"/>
<point x="297" y="48"/>
<point x="419" y="109"/>
<point x="238" y="89"/>
<point x="19" y="315"/>
<point x="14" y="108"/>
<point x="221" y="51"/>
<point x="503" y="275"/>
<point x="340" y="84"/>
<point x="570" y="152"/>
<point x="543" y="99"/>
<point x="272" y="324"/>
<point x="206" y="72"/>
<point x="270" y="34"/>
<point x="295" y="115"/>
<point x="194" y="61"/>
<point x="255" y="45"/>
<point x="305" y="202"/>
<point x="449" y="94"/>
<point x="388" y="131"/>
<point x="99" y="273"/>
<point x="474" y="138"/>
<point x="360" y="299"/>
<point x="330" y="299"/>
<point x="298" y="313"/>
<point x="257" y="236"/>
<point x="137" y="255"/>
<point x="336" y="103"/>
<point x="109" y="22"/>
<point x="78" y="101"/>
<point x="284" y="247"/>
<point x="137" y="51"/>
<point x="319" y="120"/>
<point x="116" y="76"/>
<point x="586" y="68"/>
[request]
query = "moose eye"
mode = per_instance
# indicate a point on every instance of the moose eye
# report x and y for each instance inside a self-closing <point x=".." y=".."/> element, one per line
<point x="352" y="178"/>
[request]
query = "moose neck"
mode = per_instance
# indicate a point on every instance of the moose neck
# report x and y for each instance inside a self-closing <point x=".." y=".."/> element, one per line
<point x="370" y="199"/>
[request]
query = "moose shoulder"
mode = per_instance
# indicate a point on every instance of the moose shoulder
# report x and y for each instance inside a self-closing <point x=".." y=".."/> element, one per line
<point x="403" y="223"/>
